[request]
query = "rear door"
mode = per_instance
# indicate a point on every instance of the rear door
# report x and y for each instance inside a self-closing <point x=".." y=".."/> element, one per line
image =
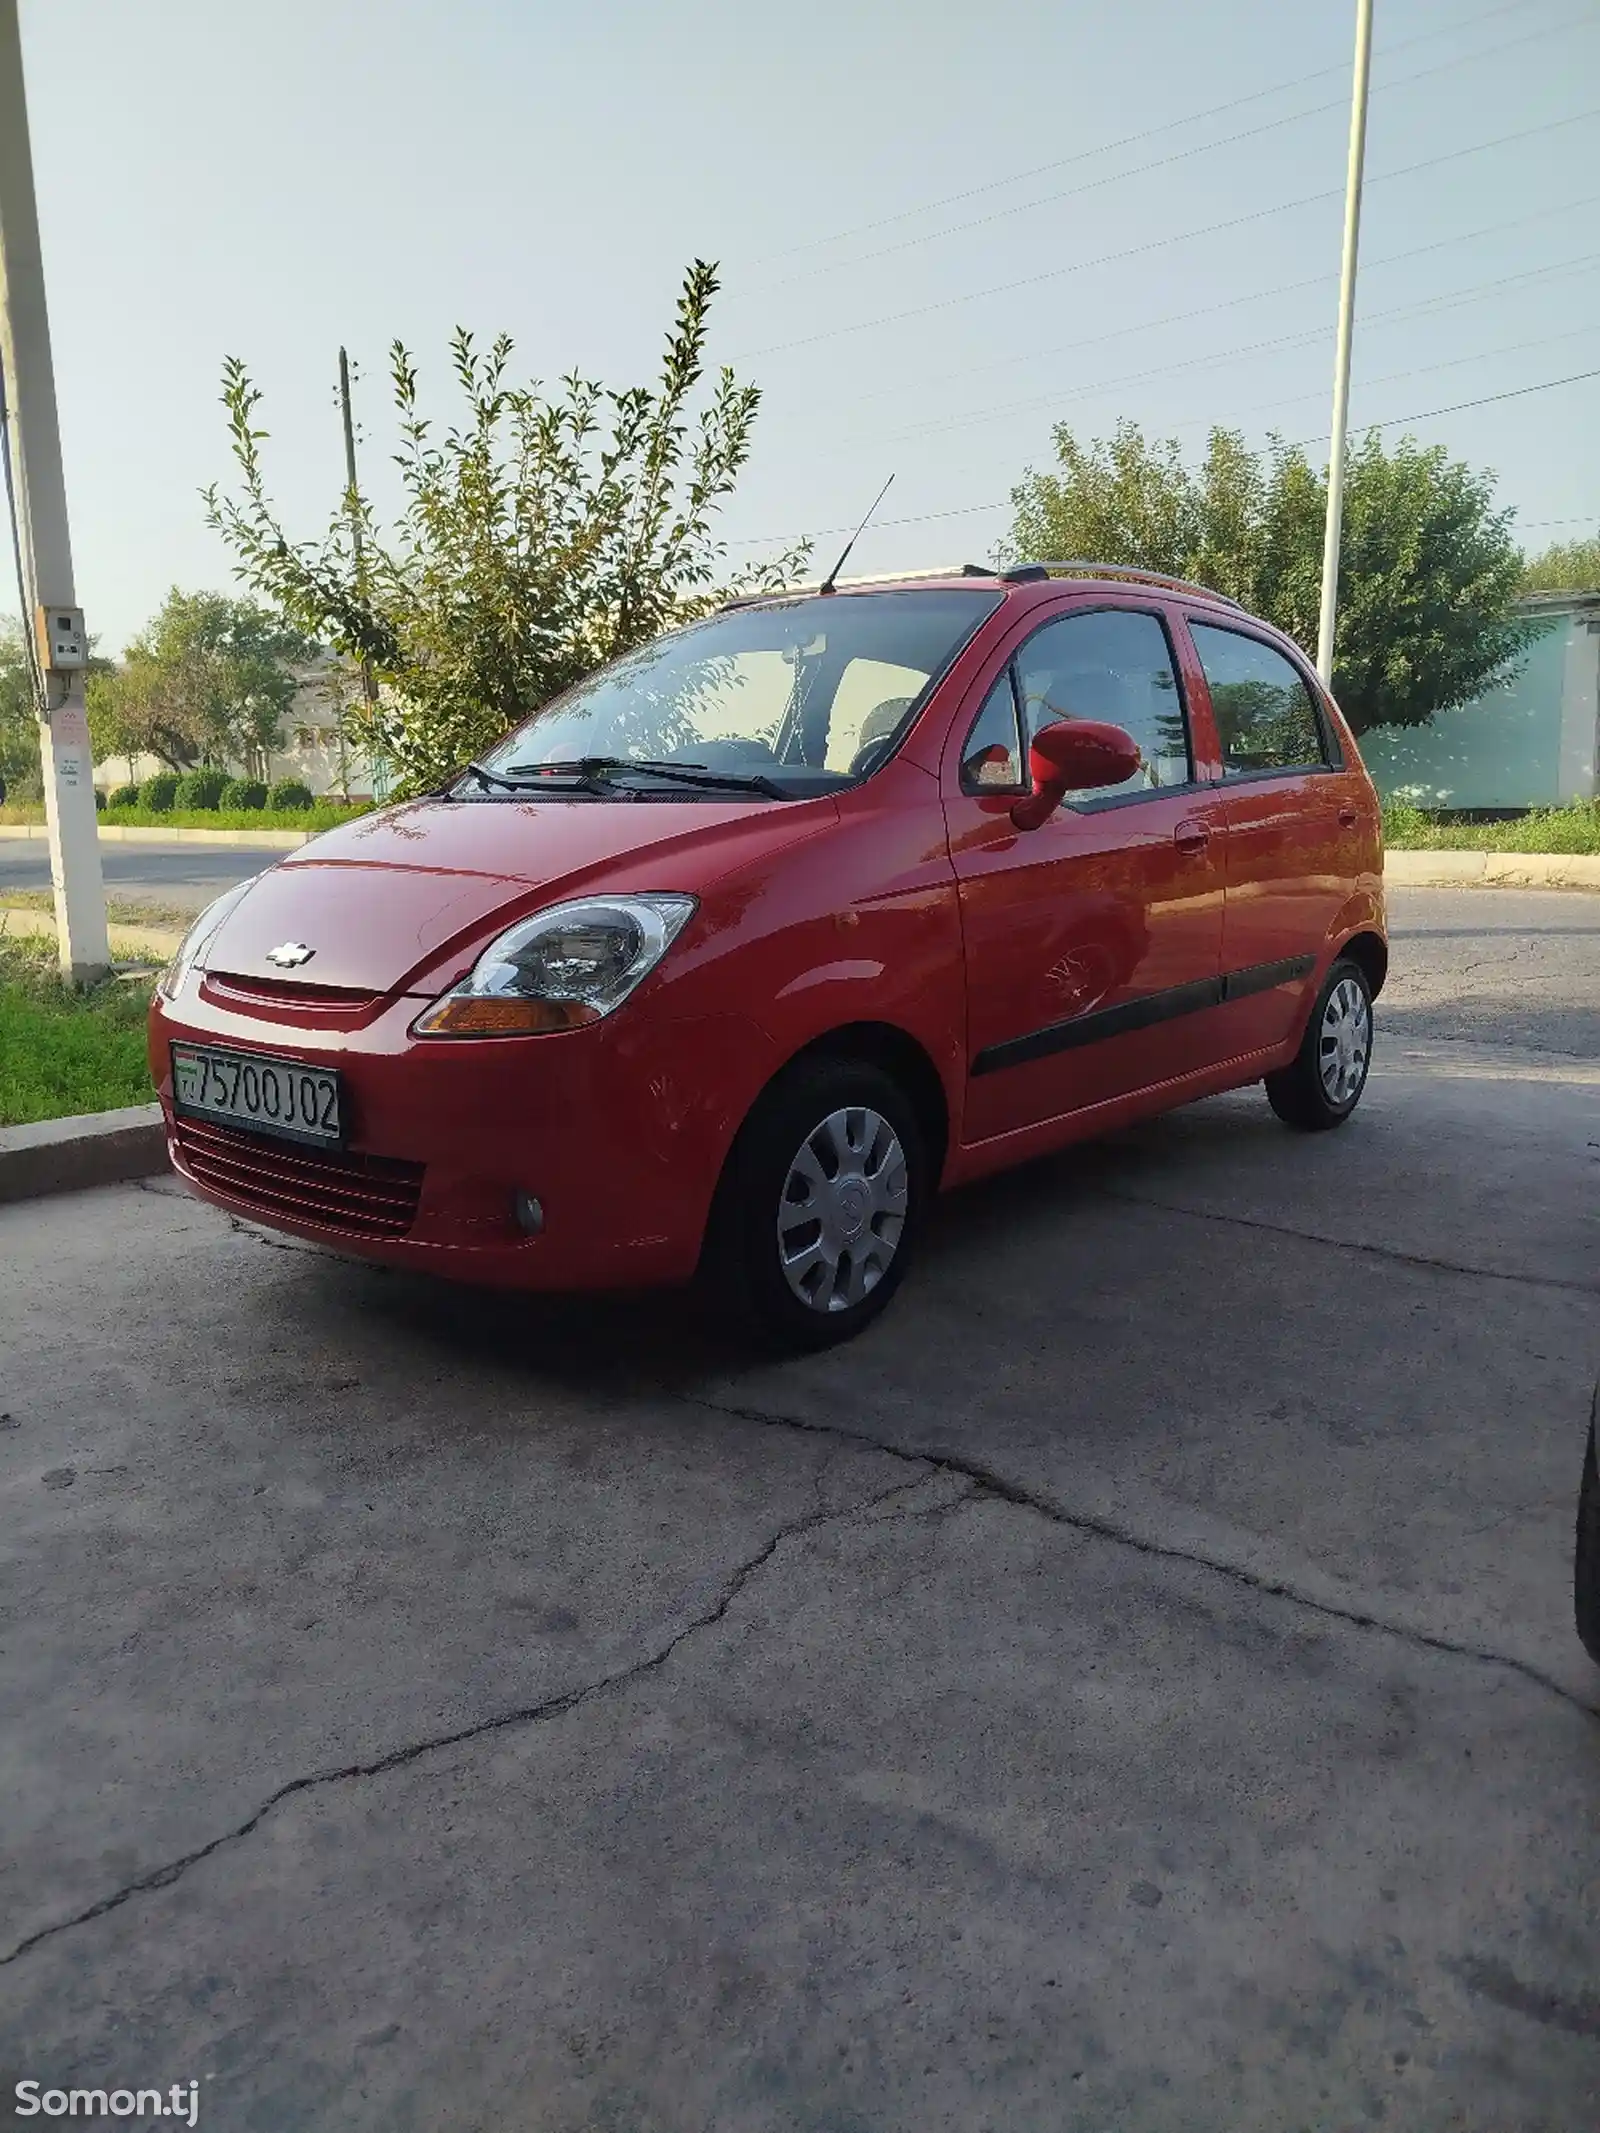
<point x="1292" y="809"/>
<point x="1092" y="943"/>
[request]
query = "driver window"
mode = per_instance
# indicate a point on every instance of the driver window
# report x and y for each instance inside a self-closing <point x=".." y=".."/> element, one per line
<point x="869" y="706"/>
<point x="1113" y="665"/>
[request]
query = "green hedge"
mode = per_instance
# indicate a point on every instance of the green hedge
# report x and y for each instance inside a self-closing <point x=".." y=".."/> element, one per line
<point x="200" y="788"/>
<point x="1544" y="829"/>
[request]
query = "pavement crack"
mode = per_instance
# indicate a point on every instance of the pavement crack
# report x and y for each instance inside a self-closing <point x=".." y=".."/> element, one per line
<point x="989" y="1481"/>
<point x="736" y="1582"/>
<point x="1346" y="1244"/>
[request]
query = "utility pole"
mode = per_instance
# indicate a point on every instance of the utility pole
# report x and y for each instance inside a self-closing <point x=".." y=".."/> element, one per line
<point x="369" y="685"/>
<point x="1328" y="619"/>
<point x="60" y="649"/>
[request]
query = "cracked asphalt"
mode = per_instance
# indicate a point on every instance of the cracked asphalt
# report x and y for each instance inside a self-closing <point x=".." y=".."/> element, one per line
<point x="1132" y="1688"/>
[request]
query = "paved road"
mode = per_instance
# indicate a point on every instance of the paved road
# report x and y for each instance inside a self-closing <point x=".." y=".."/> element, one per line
<point x="187" y="875"/>
<point x="1132" y="1688"/>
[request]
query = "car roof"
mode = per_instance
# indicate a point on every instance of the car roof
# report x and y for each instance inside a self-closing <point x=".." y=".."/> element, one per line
<point x="1022" y="582"/>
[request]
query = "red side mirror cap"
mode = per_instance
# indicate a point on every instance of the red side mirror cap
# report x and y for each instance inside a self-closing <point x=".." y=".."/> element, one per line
<point x="1069" y="755"/>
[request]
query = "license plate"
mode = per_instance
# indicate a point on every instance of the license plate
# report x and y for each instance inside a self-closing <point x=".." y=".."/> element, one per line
<point x="271" y="1095"/>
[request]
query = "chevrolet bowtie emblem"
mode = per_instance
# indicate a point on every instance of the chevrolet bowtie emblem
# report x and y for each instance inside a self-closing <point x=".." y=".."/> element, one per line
<point x="290" y="955"/>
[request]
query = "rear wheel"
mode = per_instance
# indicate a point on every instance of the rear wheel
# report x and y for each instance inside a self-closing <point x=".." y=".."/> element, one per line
<point x="819" y="1206"/>
<point x="1323" y="1085"/>
<point x="1586" y="1560"/>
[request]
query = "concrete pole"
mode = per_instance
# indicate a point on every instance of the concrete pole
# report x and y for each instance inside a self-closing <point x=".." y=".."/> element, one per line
<point x="35" y="438"/>
<point x="1341" y="362"/>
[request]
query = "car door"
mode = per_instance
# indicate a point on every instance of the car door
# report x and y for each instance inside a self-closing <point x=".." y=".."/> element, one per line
<point x="1292" y="807"/>
<point x="1093" y="943"/>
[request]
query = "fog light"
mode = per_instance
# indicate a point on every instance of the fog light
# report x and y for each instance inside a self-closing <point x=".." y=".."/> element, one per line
<point x="529" y="1214"/>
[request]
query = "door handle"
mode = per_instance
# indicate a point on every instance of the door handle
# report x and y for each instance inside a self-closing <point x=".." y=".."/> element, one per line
<point x="1191" y="836"/>
<point x="1347" y="815"/>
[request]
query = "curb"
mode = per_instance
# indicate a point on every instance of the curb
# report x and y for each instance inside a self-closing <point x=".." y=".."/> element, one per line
<point x="1502" y="870"/>
<point x="69" y="1154"/>
<point x="252" y="840"/>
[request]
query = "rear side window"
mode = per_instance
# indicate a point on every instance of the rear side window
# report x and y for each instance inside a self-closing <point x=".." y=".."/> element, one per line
<point x="1265" y="717"/>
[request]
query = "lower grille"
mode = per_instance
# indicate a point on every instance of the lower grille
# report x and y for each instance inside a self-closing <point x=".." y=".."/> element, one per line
<point x="360" y="1195"/>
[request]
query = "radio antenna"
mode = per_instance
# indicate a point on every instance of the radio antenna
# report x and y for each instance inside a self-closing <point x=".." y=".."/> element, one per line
<point x="828" y="582"/>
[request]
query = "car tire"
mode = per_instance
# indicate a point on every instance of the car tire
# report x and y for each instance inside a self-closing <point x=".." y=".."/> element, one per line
<point x="839" y="1136"/>
<point x="1586" y="1556"/>
<point x="1323" y="1085"/>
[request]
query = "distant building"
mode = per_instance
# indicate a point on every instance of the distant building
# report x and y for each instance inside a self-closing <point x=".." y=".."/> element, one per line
<point x="1533" y="742"/>
<point x="312" y="752"/>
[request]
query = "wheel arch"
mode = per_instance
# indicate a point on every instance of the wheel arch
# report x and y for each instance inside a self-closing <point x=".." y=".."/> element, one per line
<point x="1371" y="952"/>
<point x="891" y="1047"/>
<point x="899" y="1054"/>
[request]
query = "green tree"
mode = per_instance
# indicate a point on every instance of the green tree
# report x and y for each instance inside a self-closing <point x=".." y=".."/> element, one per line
<point x="207" y="681"/>
<point x="19" y="721"/>
<point x="541" y="536"/>
<point x="1428" y="573"/>
<point x="1565" y="566"/>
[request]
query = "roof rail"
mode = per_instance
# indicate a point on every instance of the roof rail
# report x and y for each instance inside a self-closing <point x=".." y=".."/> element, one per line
<point x="1021" y="573"/>
<point x="876" y="577"/>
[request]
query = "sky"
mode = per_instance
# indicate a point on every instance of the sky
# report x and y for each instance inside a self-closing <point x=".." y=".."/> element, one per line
<point x="941" y="230"/>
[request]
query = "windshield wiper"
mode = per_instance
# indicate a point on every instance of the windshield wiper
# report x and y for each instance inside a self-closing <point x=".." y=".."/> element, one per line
<point x="485" y="776"/>
<point x="698" y="774"/>
<point x="558" y="777"/>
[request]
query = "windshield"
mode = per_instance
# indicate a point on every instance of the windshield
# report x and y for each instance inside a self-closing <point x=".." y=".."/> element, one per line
<point x="803" y="694"/>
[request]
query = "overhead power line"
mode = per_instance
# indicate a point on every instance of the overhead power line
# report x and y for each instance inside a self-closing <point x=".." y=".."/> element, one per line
<point x="1156" y="244"/>
<point x="1450" y="300"/>
<point x="1131" y="140"/>
<point x="1457" y="407"/>
<point x="1427" y="414"/>
<point x="1586" y="20"/>
<point x="1227" y="303"/>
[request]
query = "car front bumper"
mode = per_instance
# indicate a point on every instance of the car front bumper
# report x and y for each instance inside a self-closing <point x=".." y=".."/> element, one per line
<point x="619" y="1131"/>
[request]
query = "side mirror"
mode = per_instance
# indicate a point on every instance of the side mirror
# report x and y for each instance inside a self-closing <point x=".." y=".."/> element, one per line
<point x="1068" y="755"/>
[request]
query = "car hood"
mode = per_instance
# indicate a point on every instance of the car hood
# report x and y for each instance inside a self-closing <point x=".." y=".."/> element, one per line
<point x="416" y="890"/>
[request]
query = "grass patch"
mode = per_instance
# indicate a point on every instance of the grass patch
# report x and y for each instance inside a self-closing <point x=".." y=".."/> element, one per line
<point x="324" y="816"/>
<point x="120" y="910"/>
<point x="64" y="1052"/>
<point x="1545" y="829"/>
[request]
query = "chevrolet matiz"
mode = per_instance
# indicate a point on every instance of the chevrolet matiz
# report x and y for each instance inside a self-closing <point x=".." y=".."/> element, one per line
<point x="722" y="964"/>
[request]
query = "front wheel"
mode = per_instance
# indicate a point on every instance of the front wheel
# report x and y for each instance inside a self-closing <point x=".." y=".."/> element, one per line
<point x="1323" y="1084"/>
<point x="819" y="1207"/>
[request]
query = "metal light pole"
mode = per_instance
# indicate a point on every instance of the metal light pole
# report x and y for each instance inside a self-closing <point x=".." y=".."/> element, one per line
<point x="60" y="648"/>
<point x="1341" y="362"/>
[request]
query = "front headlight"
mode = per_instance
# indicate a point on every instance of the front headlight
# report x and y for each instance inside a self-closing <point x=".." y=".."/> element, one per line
<point x="567" y="966"/>
<point x="199" y="936"/>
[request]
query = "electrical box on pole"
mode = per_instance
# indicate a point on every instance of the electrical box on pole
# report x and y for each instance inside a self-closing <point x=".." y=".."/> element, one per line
<point x="34" y="494"/>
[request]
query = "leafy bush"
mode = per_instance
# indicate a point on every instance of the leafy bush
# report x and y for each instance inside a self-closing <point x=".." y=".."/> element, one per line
<point x="124" y="796"/>
<point x="201" y="788"/>
<point x="243" y="792"/>
<point x="99" y="801"/>
<point x="535" y="537"/>
<point x="160" y="792"/>
<point x="289" y="793"/>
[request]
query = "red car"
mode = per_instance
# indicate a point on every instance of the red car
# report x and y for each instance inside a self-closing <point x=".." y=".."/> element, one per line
<point x="729" y="959"/>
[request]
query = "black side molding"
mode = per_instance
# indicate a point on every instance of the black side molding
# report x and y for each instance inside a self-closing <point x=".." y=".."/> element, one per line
<point x="1143" y="1013"/>
<point x="1261" y="977"/>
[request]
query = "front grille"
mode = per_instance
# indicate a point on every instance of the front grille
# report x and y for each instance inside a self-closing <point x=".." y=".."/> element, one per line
<point x="360" y="1195"/>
